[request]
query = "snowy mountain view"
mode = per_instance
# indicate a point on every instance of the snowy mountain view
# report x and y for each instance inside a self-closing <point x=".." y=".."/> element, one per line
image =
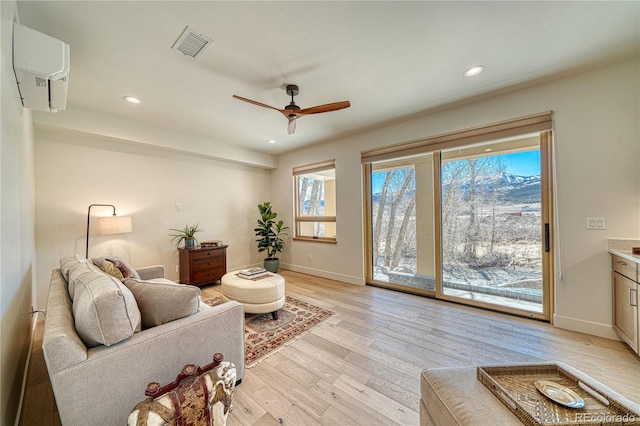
<point x="509" y="188"/>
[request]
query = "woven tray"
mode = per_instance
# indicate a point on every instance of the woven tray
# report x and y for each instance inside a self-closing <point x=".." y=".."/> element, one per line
<point x="514" y="386"/>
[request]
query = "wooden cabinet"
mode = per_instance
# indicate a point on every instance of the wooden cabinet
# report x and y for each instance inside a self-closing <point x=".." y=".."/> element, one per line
<point x="625" y="301"/>
<point x="202" y="265"/>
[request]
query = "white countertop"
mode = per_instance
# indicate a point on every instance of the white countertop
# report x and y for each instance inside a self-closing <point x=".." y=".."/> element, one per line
<point x="626" y="254"/>
<point x="622" y="247"/>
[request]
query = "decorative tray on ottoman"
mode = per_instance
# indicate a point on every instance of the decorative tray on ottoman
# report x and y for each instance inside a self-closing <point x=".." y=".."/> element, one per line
<point x="556" y="394"/>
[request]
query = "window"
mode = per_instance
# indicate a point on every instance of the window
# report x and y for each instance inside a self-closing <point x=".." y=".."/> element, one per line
<point x="315" y="202"/>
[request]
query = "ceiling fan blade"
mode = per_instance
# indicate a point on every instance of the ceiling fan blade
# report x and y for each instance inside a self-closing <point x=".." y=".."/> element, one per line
<point x="292" y="112"/>
<point x="324" y="108"/>
<point x="256" y="103"/>
<point x="291" y="128"/>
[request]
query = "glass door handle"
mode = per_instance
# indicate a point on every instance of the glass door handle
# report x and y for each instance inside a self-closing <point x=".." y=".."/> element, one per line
<point x="547" y="237"/>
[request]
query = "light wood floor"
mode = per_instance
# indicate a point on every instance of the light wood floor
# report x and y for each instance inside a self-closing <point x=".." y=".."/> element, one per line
<point x="362" y="366"/>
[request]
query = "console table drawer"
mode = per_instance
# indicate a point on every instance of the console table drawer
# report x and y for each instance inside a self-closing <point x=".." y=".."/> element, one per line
<point x="199" y="266"/>
<point x="204" y="277"/>
<point x="208" y="254"/>
<point x="209" y="262"/>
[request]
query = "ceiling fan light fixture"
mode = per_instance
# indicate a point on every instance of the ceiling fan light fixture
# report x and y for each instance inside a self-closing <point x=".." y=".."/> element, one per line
<point x="474" y="70"/>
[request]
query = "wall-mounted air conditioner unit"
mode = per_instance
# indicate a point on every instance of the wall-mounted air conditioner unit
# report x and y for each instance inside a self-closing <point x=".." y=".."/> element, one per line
<point x="41" y="64"/>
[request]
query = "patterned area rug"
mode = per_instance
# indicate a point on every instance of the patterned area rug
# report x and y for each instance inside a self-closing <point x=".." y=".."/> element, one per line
<point x="264" y="336"/>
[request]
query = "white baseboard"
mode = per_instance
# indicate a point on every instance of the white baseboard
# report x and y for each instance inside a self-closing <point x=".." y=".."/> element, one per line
<point x="325" y="274"/>
<point x="582" y="326"/>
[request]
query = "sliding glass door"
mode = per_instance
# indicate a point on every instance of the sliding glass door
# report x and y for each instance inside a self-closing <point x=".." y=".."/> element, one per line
<point x="492" y="240"/>
<point x="469" y="224"/>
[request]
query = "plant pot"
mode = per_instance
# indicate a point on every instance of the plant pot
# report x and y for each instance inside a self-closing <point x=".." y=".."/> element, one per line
<point x="272" y="265"/>
<point x="189" y="242"/>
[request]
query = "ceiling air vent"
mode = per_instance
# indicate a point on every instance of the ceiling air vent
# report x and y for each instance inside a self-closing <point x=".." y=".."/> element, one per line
<point x="191" y="43"/>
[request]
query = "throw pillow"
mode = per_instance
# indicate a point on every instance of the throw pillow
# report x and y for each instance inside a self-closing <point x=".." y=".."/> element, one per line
<point x="161" y="301"/>
<point x="110" y="268"/>
<point x="198" y="396"/>
<point x="127" y="270"/>
<point x="105" y="310"/>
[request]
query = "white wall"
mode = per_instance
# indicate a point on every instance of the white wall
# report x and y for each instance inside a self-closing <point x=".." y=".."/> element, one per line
<point x="597" y="143"/>
<point x="74" y="170"/>
<point x="16" y="232"/>
<point x="344" y="260"/>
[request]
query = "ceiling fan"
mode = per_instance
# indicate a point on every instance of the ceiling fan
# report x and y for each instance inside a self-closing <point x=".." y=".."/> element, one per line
<point x="293" y="111"/>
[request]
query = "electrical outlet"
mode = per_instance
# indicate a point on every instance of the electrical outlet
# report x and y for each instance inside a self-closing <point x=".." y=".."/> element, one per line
<point x="310" y="258"/>
<point x="178" y="207"/>
<point x="177" y="268"/>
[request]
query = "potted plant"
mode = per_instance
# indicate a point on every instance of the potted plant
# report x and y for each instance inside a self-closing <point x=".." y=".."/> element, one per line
<point x="269" y="232"/>
<point x="186" y="234"/>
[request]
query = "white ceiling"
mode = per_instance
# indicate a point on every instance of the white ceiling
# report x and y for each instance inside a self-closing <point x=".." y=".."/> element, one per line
<point x="390" y="59"/>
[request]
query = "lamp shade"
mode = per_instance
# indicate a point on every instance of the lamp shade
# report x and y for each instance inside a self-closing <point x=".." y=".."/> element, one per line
<point x="114" y="225"/>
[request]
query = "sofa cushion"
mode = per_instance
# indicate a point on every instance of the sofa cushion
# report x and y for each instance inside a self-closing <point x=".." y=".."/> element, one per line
<point x="454" y="396"/>
<point x="71" y="266"/>
<point x="105" y="311"/>
<point x="161" y="300"/>
<point x="127" y="270"/>
<point x="69" y="262"/>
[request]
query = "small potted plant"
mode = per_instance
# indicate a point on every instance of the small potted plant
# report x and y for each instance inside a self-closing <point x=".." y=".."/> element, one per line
<point x="269" y="232"/>
<point x="186" y="234"/>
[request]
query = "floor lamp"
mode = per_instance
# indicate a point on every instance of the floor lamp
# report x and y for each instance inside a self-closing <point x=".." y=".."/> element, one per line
<point x="108" y="225"/>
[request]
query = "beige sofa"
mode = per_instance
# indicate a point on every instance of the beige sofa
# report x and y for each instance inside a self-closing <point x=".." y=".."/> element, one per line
<point x="99" y="383"/>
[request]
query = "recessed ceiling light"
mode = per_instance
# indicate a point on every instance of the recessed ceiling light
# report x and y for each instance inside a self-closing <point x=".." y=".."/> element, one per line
<point x="131" y="99"/>
<point x="474" y="70"/>
<point x="271" y="140"/>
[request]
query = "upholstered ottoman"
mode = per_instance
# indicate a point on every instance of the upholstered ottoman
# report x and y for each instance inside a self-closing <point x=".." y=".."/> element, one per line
<point x="259" y="296"/>
<point x="454" y="396"/>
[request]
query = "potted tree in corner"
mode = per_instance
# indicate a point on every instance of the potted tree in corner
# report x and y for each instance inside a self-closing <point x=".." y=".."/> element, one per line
<point x="268" y="233"/>
<point x="186" y="234"/>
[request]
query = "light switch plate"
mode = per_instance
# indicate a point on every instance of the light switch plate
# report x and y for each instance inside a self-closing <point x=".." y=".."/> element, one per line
<point x="596" y="223"/>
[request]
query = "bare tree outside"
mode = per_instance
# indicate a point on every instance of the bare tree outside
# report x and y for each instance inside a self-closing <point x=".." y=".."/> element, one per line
<point x="491" y="225"/>
<point x="402" y="192"/>
<point x="310" y="198"/>
<point x="493" y="234"/>
<point x="394" y="220"/>
<point x="379" y="219"/>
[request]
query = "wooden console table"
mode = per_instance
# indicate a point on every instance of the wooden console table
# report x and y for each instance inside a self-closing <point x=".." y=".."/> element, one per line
<point x="202" y="265"/>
